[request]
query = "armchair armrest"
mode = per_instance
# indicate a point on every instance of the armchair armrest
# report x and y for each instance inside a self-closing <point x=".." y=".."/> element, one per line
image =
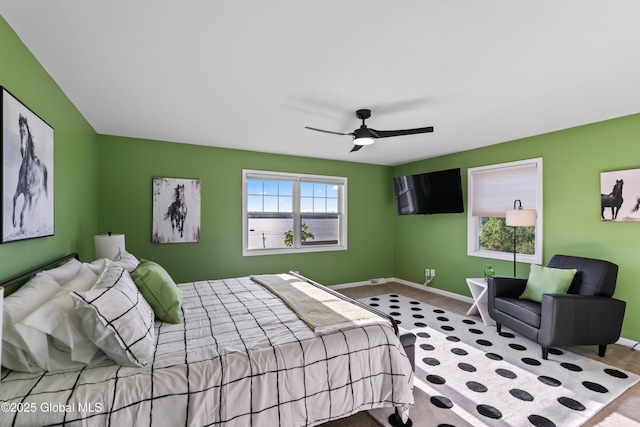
<point x="569" y="319"/>
<point x="504" y="286"/>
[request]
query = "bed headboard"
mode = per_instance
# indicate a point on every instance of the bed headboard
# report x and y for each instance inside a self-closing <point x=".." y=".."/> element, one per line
<point x="8" y="284"/>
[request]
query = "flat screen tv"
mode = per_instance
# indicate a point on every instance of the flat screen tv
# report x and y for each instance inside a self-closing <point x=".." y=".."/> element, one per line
<point x="429" y="193"/>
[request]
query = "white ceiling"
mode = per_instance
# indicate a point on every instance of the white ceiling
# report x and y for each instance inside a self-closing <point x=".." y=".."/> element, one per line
<point x="252" y="74"/>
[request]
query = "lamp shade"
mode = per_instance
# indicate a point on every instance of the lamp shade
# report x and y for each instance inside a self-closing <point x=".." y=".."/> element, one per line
<point x="108" y="245"/>
<point x="521" y="217"/>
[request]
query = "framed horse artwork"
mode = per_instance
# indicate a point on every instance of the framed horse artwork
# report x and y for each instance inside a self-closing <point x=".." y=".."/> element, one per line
<point x="27" y="172"/>
<point x="176" y="210"/>
<point x="620" y="195"/>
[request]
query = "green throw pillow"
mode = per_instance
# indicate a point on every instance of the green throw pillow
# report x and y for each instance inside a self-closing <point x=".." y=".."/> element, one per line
<point x="545" y="280"/>
<point x="159" y="289"/>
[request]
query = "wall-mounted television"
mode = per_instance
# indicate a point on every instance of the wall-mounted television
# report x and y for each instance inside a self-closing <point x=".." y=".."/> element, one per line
<point x="429" y="193"/>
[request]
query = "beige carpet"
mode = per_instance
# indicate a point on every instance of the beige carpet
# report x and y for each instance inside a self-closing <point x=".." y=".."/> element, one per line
<point x="625" y="406"/>
<point x="618" y="420"/>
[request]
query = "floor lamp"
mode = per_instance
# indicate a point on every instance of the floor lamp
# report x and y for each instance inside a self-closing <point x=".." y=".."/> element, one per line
<point x="518" y="217"/>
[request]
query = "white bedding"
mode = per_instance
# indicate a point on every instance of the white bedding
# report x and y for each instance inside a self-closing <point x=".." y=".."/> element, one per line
<point x="240" y="358"/>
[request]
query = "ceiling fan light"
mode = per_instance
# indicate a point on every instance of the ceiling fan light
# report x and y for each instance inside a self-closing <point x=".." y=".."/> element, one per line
<point x="363" y="141"/>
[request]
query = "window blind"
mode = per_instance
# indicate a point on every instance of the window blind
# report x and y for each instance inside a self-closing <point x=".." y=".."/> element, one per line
<point x="495" y="188"/>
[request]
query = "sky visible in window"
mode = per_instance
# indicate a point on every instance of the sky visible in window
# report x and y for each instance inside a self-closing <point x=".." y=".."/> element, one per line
<point x="277" y="196"/>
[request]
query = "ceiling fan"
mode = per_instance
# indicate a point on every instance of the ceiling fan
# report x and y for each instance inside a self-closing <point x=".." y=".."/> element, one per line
<point x="367" y="136"/>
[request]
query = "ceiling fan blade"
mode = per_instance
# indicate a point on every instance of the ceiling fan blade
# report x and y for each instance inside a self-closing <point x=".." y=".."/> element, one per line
<point x="356" y="148"/>
<point x="388" y="133"/>
<point x="327" y="131"/>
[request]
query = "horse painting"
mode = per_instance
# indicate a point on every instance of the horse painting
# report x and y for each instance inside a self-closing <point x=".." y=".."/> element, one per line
<point x="32" y="175"/>
<point x="172" y="198"/>
<point x="177" y="211"/>
<point x="636" y="208"/>
<point x="612" y="200"/>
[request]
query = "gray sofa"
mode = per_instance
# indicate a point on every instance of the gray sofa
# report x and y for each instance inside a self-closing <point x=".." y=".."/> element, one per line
<point x="585" y="315"/>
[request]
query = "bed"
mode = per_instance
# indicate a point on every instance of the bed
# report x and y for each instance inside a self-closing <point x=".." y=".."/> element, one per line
<point x="239" y="356"/>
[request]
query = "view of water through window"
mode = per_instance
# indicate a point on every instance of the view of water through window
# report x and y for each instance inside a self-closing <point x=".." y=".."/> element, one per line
<point x="270" y="232"/>
<point x="271" y="212"/>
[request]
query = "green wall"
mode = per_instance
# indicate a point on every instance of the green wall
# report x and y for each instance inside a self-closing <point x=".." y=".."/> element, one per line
<point x="572" y="162"/>
<point x="127" y="166"/>
<point x="75" y="157"/>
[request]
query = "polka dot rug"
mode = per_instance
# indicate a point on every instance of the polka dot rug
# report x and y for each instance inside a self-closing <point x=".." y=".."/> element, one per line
<point x="476" y="376"/>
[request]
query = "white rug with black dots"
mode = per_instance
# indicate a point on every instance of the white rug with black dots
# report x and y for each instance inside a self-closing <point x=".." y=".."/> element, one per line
<point x="472" y="372"/>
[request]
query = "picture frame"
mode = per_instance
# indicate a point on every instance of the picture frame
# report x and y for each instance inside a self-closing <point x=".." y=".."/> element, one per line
<point x="620" y="195"/>
<point x="27" y="152"/>
<point x="176" y="210"/>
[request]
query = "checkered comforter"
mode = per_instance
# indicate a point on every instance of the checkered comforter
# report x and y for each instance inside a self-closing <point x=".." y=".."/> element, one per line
<point x="240" y="358"/>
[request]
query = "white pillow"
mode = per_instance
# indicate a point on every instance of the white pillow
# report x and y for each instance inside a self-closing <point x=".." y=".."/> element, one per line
<point x="116" y="317"/>
<point x="97" y="266"/>
<point x="65" y="272"/>
<point x="127" y="260"/>
<point x="17" y="353"/>
<point x="57" y="322"/>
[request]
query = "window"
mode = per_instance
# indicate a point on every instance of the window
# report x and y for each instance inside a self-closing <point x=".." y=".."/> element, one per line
<point x="492" y="191"/>
<point x="288" y="213"/>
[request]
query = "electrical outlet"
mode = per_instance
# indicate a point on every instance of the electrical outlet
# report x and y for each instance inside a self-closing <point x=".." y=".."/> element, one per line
<point x="433" y="272"/>
<point x="428" y="276"/>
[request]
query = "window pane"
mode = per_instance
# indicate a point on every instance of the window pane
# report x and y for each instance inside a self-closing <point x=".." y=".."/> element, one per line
<point x="496" y="236"/>
<point x="306" y="204"/>
<point x="306" y="189"/>
<point x="285" y="204"/>
<point x="254" y="186"/>
<point x="319" y="205"/>
<point x="319" y="197"/>
<point x="320" y="230"/>
<point x="285" y="188"/>
<point x="268" y="232"/>
<point x="270" y="203"/>
<point x="320" y="190"/>
<point x="254" y="203"/>
<point x="271" y="188"/>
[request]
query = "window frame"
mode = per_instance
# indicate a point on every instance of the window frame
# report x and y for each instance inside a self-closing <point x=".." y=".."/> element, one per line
<point x="296" y="179"/>
<point x="473" y="222"/>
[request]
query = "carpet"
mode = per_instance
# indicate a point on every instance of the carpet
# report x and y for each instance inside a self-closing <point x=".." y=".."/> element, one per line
<point x="473" y="375"/>
<point x="618" y="420"/>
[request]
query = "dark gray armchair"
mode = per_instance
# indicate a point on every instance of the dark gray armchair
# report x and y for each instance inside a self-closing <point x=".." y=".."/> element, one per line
<point x="585" y="315"/>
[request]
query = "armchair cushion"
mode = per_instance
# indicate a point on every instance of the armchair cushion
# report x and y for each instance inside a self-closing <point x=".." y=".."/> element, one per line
<point x="545" y="280"/>
<point x="524" y="310"/>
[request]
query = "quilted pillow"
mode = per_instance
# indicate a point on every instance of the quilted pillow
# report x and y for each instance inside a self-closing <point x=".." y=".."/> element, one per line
<point x="116" y="317"/>
<point x="159" y="289"/>
<point x="545" y="280"/>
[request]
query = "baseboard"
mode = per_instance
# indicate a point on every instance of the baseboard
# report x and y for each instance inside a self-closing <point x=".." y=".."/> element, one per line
<point x="374" y="282"/>
<point x="351" y="285"/>
<point x="628" y="343"/>
<point x="448" y="294"/>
